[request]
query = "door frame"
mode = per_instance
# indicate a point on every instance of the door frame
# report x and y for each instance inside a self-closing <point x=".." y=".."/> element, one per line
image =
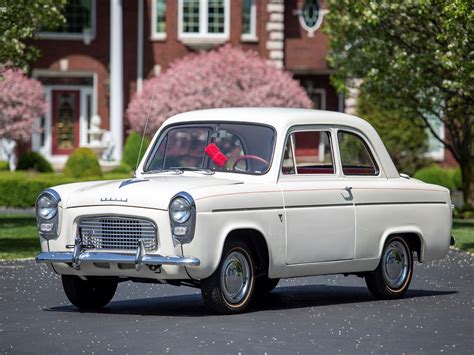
<point x="76" y="120"/>
<point x="45" y="147"/>
<point x="336" y="179"/>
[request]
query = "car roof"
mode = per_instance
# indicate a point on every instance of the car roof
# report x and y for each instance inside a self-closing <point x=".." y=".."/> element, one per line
<point x="274" y="116"/>
<point x="284" y="118"/>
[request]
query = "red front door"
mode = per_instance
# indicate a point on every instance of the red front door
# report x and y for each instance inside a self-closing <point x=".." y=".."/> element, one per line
<point x="65" y="121"/>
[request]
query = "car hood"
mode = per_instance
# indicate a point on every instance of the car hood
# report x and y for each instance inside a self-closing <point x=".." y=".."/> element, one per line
<point x="150" y="192"/>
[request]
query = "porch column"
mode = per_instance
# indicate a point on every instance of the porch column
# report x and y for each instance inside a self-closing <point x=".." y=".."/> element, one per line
<point x="116" y="77"/>
<point x="140" y="47"/>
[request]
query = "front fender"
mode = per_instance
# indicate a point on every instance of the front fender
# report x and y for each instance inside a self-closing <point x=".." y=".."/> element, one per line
<point x="213" y="228"/>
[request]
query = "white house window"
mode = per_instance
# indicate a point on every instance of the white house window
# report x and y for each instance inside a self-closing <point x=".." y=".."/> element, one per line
<point x="158" y="19"/>
<point x="249" y="20"/>
<point x="311" y="16"/>
<point x="80" y="22"/>
<point x="191" y="16"/>
<point x="203" y="23"/>
<point x="216" y="16"/>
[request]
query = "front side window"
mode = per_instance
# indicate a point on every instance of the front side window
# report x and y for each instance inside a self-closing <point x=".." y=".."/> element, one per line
<point x="159" y="18"/>
<point x="223" y="147"/>
<point x="204" y="18"/>
<point x="80" y="20"/>
<point x="355" y="155"/>
<point x="308" y="152"/>
<point x="249" y="18"/>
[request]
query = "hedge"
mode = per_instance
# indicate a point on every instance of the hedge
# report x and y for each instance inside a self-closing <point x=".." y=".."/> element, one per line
<point x="436" y="175"/>
<point x="20" y="189"/>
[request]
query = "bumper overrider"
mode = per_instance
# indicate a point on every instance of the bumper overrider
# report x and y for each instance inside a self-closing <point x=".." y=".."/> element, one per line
<point x="81" y="255"/>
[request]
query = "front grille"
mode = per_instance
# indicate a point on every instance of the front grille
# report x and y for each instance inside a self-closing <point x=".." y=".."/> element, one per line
<point x="115" y="232"/>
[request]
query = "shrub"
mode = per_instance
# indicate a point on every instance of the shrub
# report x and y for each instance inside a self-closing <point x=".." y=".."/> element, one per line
<point x="131" y="149"/>
<point x="82" y="163"/>
<point x="436" y="175"/>
<point x="20" y="188"/>
<point x="34" y="161"/>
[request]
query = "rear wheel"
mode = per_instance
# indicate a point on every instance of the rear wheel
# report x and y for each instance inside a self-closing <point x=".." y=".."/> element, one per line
<point x="230" y="288"/>
<point x="89" y="294"/>
<point x="392" y="276"/>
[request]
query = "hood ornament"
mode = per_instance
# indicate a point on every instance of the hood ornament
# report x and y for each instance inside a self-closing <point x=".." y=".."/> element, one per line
<point x="131" y="181"/>
<point x="113" y="199"/>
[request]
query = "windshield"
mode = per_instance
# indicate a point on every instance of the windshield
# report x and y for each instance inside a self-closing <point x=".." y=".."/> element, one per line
<point x="224" y="147"/>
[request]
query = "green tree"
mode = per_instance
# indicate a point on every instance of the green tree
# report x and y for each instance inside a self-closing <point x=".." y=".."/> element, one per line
<point x="405" y="141"/>
<point x="416" y="57"/>
<point x="19" y="21"/>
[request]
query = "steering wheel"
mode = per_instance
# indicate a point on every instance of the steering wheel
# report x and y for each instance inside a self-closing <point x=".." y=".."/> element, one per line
<point x="245" y="157"/>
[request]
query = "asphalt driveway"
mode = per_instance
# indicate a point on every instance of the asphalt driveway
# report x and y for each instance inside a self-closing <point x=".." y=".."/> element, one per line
<point x="327" y="314"/>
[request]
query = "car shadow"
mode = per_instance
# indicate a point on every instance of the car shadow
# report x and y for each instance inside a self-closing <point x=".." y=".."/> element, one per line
<point x="281" y="298"/>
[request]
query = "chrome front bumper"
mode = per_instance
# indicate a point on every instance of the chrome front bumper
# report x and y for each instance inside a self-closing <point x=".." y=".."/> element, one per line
<point x="79" y="255"/>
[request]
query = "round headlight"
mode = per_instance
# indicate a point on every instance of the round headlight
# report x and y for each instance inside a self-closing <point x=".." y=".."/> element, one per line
<point x="180" y="210"/>
<point x="46" y="207"/>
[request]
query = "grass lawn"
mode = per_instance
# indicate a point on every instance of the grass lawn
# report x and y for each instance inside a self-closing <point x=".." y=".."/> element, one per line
<point x="19" y="236"/>
<point x="463" y="232"/>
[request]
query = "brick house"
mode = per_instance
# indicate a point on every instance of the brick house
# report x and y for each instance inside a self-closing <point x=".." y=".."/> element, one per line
<point x="98" y="61"/>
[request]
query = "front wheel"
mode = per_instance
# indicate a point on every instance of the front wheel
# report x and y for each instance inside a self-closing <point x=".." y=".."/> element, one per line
<point x="391" y="278"/>
<point x="230" y="288"/>
<point x="89" y="294"/>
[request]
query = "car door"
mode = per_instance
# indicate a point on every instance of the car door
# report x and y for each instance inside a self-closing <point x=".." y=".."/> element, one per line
<point x="371" y="191"/>
<point x="319" y="209"/>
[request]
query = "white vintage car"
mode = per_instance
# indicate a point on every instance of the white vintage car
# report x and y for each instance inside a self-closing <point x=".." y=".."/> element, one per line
<point x="232" y="200"/>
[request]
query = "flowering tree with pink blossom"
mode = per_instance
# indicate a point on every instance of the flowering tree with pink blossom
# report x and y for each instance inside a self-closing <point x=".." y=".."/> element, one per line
<point x="226" y="77"/>
<point x="21" y="102"/>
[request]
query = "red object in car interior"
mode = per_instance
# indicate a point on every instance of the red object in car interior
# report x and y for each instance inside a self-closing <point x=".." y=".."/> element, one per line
<point x="216" y="155"/>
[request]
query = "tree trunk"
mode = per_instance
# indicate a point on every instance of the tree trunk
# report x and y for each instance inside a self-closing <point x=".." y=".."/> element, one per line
<point x="467" y="183"/>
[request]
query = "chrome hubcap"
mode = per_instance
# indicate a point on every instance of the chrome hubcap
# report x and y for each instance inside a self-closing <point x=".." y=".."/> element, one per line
<point x="395" y="264"/>
<point x="235" y="277"/>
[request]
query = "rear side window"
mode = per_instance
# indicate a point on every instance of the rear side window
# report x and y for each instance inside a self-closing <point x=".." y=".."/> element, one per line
<point x="308" y="152"/>
<point x="355" y="155"/>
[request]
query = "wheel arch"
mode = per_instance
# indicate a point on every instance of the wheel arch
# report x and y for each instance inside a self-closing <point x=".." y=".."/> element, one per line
<point x="258" y="244"/>
<point x="412" y="235"/>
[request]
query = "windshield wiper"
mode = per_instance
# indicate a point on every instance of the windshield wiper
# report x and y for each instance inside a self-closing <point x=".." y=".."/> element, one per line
<point x="193" y="169"/>
<point x="158" y="171"/>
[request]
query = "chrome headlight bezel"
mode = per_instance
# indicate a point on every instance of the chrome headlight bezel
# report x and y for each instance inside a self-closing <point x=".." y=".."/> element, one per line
<point x="182" y="212"/>
<point x="48" y="223"/>
<point x="46" y="207"/>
